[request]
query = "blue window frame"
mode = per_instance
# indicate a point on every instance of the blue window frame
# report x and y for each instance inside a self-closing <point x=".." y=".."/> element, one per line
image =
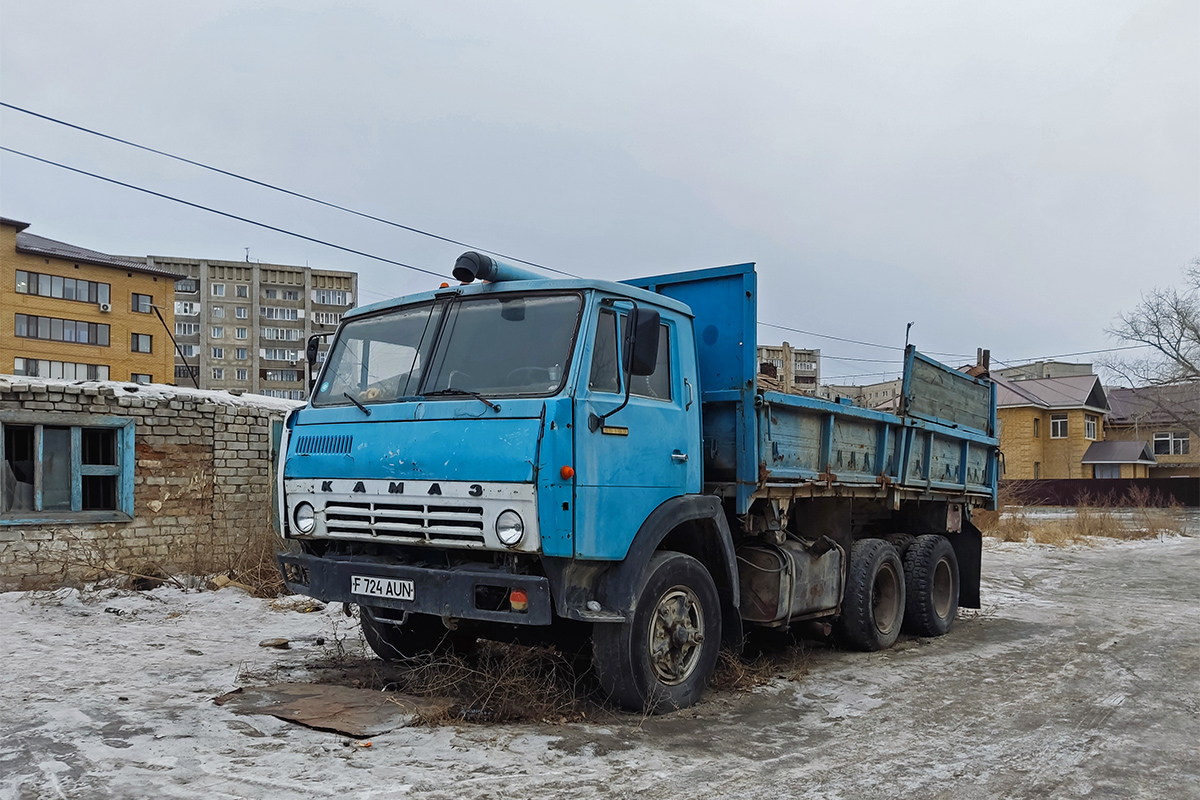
<point x="65" y="468"/>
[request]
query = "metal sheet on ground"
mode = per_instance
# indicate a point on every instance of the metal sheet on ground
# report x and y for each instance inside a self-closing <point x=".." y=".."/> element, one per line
<point x="342" y="709"/>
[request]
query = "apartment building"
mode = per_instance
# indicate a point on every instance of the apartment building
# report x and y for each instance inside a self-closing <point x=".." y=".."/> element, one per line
<point x="797" y="370"/>
<point x="1044" y="369"/>
<point x="884" y="396"/>
<point x="243" y="325"/>
<point x="78" y="314"/>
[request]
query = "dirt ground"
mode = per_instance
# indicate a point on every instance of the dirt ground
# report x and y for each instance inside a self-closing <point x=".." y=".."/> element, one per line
<point x="1079" y="678"/>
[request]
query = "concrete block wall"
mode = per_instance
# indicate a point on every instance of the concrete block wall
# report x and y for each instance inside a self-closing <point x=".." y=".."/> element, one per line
<point x="202" y="482"/>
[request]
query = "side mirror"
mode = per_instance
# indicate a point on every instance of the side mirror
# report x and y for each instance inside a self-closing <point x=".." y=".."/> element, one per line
<point x="642" y="346"/>
<point x="310" y="352"/>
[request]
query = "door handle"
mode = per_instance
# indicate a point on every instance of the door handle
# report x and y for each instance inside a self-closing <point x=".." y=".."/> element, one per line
<point x="678" y="456"/>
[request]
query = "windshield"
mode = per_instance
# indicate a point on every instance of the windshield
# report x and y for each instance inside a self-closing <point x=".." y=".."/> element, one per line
<point x="505" y="345"/>
<point x="493" y="346"/>
<point x="379" y="359"/>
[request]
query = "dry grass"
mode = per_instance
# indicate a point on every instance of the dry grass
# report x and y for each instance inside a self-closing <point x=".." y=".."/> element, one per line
<point x="254" y="565"/>
<point x="742" y="674"/>
<point x="498" y="683"/>
<point x="1136" y="515"/>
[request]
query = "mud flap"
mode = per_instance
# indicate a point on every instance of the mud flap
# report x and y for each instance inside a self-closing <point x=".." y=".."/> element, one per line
<point x="968" y="549"/>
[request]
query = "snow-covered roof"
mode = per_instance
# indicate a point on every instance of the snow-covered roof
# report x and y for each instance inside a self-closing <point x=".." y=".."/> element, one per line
<point x="156" y="391"/>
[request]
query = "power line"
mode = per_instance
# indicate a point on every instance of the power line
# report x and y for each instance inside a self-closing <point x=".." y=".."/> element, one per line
<point x="273" y="187"/>
<point x="225" y="214"/>
<point x="421" y="232"/>
<point x="1081" y="353"/>
<point x="856" y="341"/>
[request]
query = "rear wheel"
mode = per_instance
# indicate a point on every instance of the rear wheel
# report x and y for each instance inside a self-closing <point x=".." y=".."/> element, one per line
<point x="663" y="657"/>
<point x="873" y="606"/>
<point x="420" y="635"/>
<point x="931" y="575"/>
<point x="901" y="541"/>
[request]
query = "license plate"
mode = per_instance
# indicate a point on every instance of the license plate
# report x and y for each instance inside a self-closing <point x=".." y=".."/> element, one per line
<point x="391" y="588"/>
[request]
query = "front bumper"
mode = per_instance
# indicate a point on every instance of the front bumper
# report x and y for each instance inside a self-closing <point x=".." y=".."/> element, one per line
<point x="453" y="592"/>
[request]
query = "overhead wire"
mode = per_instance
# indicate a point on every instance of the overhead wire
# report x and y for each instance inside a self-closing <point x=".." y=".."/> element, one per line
<point x="421" y="232"/>
<point x="247" y="220"/>
<point x="276" y="188"/>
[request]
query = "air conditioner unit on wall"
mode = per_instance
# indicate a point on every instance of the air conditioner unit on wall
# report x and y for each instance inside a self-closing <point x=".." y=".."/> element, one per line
<point x="106" y="307"/>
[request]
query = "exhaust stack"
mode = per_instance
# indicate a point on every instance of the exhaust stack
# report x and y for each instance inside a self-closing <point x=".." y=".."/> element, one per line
<point x="471" y="265"/>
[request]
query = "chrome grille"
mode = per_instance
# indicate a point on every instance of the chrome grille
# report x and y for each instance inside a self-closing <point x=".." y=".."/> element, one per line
<point x="415" y="522"/>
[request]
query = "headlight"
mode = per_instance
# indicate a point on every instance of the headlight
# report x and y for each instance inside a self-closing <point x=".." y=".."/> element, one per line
<point x="305" y="517"/>
<point x="510" y="528"/>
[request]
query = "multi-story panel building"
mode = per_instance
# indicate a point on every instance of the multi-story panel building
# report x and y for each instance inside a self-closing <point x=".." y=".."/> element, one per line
<point x="884" y="396"/>
<point x="78" y="314"/>
<point x="798" y="371"/>
<point x="1044" y="369"/>
<point x="243" y="325"/>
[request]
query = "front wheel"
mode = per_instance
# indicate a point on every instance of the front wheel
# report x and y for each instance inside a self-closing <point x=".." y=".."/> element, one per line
<point x="873" y="606"/>
<point x="662" y="658"/>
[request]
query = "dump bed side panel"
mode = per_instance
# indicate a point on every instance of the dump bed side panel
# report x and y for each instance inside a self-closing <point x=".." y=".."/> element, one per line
<point x="936" y="393"/>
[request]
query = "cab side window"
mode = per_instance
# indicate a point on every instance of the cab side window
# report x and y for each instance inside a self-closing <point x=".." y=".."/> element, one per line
<point x="606" y="372"/>
<point x="657" y="385"/>
<point x="604" y="376"/>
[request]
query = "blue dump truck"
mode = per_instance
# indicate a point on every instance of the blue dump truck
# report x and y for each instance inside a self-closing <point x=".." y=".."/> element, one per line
<point x="521" y="458"/>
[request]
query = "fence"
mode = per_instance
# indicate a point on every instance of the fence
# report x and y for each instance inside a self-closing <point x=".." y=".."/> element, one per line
<point x="1105" y="492"/>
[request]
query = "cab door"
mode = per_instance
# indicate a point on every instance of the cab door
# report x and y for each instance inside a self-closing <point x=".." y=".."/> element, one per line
<point x="643" y="454"/>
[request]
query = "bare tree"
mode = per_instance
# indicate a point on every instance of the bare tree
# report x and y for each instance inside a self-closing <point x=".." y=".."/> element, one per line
<point x="1167" y="380"/>
<point x="1167" y="320"/>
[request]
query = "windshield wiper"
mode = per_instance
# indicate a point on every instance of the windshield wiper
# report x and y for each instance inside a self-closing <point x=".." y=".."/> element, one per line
<point x="466" y="393"/>
<point x="354" y="400"/>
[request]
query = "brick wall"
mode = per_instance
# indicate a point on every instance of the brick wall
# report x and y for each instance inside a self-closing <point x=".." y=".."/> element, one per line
<point x="202" y="481"/>
<point x="1056" y="458"/>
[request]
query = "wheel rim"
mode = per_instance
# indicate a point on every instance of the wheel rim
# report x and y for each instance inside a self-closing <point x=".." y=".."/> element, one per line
<point x="676" y="633"/>
<point x="943" y="588"/>
<point x="885" y="599"/>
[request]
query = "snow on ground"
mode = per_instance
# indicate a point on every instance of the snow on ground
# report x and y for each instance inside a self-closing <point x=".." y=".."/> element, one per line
<point x="1079" y="678"/>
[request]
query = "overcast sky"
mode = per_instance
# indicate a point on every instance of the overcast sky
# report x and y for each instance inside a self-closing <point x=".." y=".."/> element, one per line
<point x="1005" y="174"/>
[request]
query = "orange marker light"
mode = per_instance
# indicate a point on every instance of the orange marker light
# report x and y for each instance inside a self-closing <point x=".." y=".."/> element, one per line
<point x="519" y="600"/>
<point x="567" y="473"/>
<point x="444" y="286"/>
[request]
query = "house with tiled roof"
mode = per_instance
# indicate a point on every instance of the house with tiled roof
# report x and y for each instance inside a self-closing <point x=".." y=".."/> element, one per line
<point x="1166" y="420"/>
<point x="1048" y="424"/>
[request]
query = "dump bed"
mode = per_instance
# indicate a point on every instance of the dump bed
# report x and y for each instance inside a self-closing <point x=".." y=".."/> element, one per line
<point x="941" y="444"/>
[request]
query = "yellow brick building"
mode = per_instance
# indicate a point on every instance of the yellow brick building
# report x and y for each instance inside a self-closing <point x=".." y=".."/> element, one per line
<point x="1048" y="424"/>
<point x="73" y="313"/>
<point x="1166" y="419"/>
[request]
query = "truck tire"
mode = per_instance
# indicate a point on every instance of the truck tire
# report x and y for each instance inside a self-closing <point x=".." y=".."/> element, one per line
<point x="931" y="578"/>
<point x="873" y="606"/>
<point x="901" y="541"/>
<point x="662" y="658"/>
<point x="420" y="636"/>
